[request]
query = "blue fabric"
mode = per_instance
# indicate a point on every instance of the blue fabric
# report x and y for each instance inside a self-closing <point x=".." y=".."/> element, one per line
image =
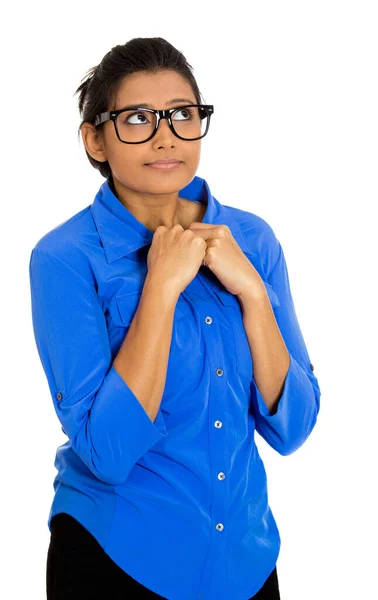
<point x="181" y="503"/>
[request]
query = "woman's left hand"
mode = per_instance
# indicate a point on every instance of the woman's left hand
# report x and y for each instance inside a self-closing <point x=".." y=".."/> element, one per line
<point x="227" y="261"/>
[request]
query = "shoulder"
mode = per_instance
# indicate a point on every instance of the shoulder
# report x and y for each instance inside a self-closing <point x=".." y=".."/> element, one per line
<point x="69" y="243"/>
<point x="260" y="238"/>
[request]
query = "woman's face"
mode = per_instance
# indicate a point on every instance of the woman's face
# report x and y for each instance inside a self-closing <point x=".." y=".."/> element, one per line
<point x="128" y="161"/>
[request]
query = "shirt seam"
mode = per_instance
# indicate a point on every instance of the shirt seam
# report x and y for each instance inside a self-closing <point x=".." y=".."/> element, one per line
<point x="276" y="263"/>
<point x="91" y="286"/>
<point x="278" y="258"/>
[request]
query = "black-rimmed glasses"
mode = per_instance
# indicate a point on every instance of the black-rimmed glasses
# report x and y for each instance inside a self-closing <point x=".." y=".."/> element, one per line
<point x="136" y="125"/>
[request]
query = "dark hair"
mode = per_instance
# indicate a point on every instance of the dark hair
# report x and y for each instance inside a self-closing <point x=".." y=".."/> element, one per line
<point x="99" y="90"/>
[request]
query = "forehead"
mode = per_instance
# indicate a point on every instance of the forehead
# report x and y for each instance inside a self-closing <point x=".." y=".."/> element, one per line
<point x="157" y="89"/>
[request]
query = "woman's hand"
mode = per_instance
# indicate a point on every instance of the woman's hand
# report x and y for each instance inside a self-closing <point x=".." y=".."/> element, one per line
<point x="175" y="256"/>
<point x="227" y="261"/>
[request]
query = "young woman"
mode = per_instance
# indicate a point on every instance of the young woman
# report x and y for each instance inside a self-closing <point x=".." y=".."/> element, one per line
<point x="168" y="335"/>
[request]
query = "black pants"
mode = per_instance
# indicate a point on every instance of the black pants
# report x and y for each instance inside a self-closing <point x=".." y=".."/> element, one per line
<point x="78" y="568"/>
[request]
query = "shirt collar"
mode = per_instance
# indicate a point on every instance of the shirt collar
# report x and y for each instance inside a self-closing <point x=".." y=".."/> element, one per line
<point x="121" y="233"/>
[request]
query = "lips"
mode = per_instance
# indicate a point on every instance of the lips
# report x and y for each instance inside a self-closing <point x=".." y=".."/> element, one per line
<point x="164" y="162"/>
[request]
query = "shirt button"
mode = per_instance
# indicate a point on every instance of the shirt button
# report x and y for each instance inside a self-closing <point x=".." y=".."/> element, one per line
<point x="312" y="367"/>
<point x="221" y="476"/>
<point x="219" y="526"/>
<point x="59" y="395"/>
<point x="208" y="320"/>
<point x="218" y="424"/>
<point x="219" y="372"/>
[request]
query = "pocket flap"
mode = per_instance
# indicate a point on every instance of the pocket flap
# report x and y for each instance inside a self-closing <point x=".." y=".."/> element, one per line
<point x="226" y="297"/>
<point x="127" y="305"/>
<point x="229" y="299"/>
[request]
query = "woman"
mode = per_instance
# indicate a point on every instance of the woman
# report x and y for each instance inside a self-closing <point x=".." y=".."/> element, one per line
<point x="167" y="332"/>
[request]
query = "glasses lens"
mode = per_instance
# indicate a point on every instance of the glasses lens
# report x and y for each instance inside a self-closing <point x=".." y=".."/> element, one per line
<point x="135" y="126"/>
<point x="138" y="126"/>
<point x="190" y="122"/>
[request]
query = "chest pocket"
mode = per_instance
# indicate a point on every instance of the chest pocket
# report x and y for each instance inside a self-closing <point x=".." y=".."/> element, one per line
<point x="233" y="310"/>
<point x="182" y="360"/>
<point x="122" y="308"/>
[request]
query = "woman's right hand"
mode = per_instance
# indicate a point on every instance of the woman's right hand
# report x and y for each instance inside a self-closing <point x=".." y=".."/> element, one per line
<point x="175" y="256"/>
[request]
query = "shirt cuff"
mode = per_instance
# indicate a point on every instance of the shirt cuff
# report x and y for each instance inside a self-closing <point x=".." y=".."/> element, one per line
<point x="296" y="411"/>
<point x="258" y="401"/>
<point x="131" y="432"/>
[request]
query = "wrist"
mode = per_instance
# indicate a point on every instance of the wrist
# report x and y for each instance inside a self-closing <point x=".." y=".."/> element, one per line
<point x="156" y="285"/>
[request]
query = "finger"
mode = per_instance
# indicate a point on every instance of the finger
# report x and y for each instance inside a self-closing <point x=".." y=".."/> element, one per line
<point x="199" y="224"/>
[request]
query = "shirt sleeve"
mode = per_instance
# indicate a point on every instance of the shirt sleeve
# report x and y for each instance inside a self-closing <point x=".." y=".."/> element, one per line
<point x="105" y="422"/>
<point x="290" y="425"/>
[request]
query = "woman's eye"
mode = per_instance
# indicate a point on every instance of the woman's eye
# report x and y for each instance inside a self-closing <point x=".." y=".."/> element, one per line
<point x="136" y="118"/>
<point x="187" y="114"/>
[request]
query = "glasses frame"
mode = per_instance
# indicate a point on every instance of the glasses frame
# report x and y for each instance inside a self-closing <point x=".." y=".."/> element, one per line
<point x="160" y="114"/>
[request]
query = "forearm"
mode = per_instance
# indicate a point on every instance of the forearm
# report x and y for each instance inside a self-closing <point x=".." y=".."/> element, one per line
<point x="143" y="357"/>
<point x="270" y="356"/>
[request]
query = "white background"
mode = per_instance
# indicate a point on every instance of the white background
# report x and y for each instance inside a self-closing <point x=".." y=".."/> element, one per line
<point x="293" y="139"/>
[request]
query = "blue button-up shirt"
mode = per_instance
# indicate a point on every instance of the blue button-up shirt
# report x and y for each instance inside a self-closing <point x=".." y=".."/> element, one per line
<point x="179" y="503"/>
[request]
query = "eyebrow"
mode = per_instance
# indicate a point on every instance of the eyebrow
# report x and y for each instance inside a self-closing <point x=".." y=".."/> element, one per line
<point x="146" y="105"/>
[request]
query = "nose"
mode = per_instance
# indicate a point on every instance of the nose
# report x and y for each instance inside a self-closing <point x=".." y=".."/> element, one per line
<point x="164" y="128"/>
<point x="166" y="124"/>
